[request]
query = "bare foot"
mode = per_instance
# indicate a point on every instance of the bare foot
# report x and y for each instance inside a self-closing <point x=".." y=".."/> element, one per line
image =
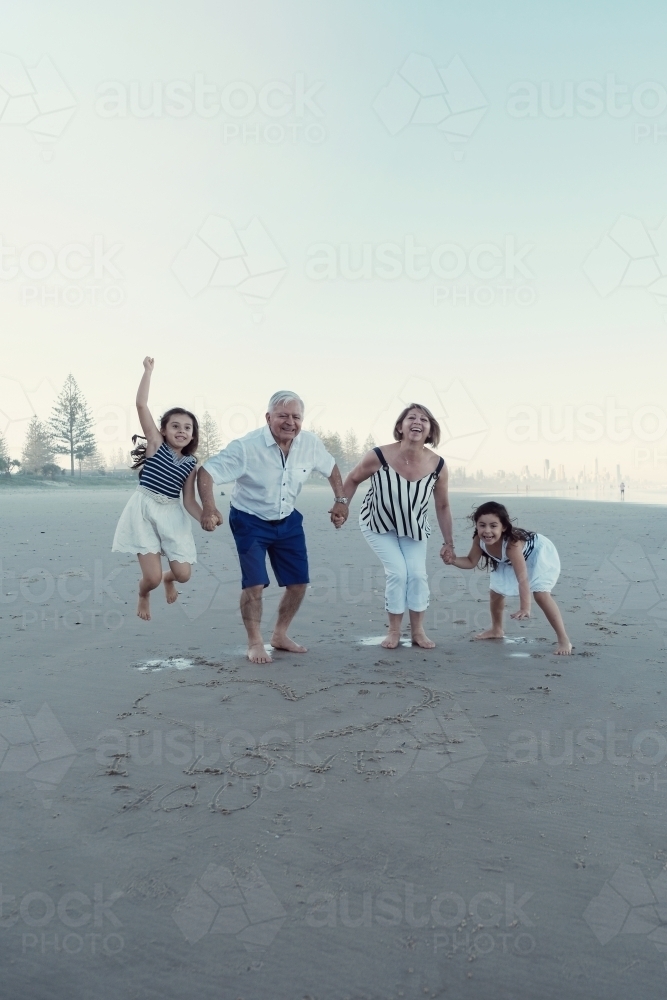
<point x="144" y="608"/>
<point x="257" y="654"/>
<point x="491" y="633"/>
<point x="169" y="589"/>
<point x="284" y="642"/>
<point x="563" y="649"/>
<point x="422" y="640"/>
<point x="392" y="640"/>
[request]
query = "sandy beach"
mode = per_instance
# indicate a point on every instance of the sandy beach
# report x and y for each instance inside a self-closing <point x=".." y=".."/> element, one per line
<point x="484" y="820"/>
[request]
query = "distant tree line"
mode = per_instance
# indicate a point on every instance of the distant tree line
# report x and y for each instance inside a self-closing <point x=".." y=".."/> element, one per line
<point x="69" y="431"/>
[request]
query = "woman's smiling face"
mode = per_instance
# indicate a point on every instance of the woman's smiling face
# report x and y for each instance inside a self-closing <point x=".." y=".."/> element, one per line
<point x="416" y="426"/>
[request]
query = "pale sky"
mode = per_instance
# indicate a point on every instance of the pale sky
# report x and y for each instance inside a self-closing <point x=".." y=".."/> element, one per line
<point x="345" y="129"/>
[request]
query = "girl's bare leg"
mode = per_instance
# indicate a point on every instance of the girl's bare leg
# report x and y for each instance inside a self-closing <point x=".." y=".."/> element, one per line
<point x="393" y="636"/>
<point x="545" y="601"/>
<point x="151" y="569"/>
<point x="179" y="572"/>
<point x="419" y="637"/>
<point x="497" y="609"/>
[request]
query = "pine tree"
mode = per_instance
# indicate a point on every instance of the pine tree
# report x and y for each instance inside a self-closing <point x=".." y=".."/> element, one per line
<point x="4" y="453"/>
<point x="93" y="462"/>
<point x="38" y="447"/>
<point x="351" y="449"/>
<point x="333" y="444"/>
<point x="209" y="437"/>
<point x="72" y="425"/>
<point x="369" y="444"/>
<point x="118" y="459"/>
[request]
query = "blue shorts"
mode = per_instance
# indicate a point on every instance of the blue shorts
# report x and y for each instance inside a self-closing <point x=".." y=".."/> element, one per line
<point x="284" y="541"/>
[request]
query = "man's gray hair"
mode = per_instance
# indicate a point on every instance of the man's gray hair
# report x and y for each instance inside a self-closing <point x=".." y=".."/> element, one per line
<point x="282" y="397"/>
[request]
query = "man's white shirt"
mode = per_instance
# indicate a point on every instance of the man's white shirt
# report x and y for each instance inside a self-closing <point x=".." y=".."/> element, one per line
<point x="266" y="483"/>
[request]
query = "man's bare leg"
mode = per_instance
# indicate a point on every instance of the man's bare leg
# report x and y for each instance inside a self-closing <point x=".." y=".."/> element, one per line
<point x="497" y="608"/>
<point x="393" y="636"/>
<point x="544" y="600"/>
<point x="251" y="612"/>
<point x="419" y="637"/>
<point x="289" y="605"/>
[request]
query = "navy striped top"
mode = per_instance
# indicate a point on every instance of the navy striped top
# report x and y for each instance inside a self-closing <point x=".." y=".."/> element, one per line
<point x="393" y="503"/>
<point x="165" y="473"/>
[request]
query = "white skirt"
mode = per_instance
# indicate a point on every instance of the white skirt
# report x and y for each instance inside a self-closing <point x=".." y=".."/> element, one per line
<point x="543" y="567"/>
<point x="155" y="523"/>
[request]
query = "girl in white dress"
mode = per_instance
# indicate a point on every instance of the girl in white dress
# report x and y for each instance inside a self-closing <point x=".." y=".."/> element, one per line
<point x="522" y="563"/>
<point x="154" y="522"/>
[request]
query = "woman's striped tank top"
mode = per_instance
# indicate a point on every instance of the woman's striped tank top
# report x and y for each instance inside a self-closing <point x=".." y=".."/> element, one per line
<point x="393" y="503"/>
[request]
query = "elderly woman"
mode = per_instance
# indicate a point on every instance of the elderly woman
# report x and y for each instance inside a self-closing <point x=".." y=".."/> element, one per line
<point x="393" y="517"/>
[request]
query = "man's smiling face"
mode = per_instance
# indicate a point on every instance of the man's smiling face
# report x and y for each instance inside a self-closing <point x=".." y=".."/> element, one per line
<point x="285" y="420"/>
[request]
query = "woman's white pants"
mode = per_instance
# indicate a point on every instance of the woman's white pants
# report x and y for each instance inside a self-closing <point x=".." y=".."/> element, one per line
<point x="404" y="561"/>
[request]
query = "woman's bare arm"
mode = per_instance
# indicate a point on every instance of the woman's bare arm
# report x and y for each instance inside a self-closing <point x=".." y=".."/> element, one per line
<point x="443" y="512"/>
<point x="364" y="469"/>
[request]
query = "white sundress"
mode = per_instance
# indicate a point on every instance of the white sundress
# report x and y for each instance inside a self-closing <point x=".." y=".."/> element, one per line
<point x="542" y="563"/>
<point x="154" y="519"/>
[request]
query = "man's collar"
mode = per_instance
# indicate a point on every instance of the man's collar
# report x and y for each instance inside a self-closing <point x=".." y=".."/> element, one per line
<point x="269" y="438"/>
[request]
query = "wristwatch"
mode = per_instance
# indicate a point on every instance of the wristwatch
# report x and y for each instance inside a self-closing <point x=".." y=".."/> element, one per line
<point x="341" y="500"/>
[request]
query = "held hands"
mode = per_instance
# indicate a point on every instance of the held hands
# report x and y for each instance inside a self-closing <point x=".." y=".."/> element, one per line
<point x="211" y="519"/>
<point x="149" y="364"/>
<point x="447" y="554"/>
<point x="339" y="514"/>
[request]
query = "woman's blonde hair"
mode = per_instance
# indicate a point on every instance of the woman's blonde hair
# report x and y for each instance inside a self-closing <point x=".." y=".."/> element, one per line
<point x="434" y="433"/>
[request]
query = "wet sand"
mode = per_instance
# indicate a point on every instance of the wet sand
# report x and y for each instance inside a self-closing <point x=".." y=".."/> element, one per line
<point x="483" y="820"/>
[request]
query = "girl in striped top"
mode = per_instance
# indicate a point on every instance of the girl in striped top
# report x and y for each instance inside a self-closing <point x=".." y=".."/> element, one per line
<point x="154" y="522"/>
<point x="522" y="563"/>
<point x="393" y="517"/>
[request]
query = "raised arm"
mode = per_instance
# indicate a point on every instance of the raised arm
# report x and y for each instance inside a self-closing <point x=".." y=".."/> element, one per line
<point x="151" y="430"/>
<point x="369" y="464"/>
<point x="443" y="512"/>
<point x="515" y="556"/>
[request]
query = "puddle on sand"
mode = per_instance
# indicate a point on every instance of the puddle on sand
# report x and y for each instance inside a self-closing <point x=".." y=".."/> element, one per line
<point x="171" y="663"/>
<point x="377" y="640"/>
<point x="514" y="655"/>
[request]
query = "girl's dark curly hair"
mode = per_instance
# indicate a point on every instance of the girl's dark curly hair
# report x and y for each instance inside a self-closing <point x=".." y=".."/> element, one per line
<point x="510" y="533"/>
<point x="138" y="453"/>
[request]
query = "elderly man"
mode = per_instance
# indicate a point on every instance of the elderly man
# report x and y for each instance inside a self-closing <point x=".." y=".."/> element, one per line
<point x="268" y="467"/>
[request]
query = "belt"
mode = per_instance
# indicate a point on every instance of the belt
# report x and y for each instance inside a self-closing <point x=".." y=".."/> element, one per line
<point x="282" y="519"/>
<point x="160" y="497"/>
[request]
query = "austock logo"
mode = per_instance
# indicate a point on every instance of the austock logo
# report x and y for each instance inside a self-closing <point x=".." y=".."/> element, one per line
<point x="632" y="582"/>
<point x="630" y="256"/>
<point x="38" y="747"/>
<point x="35" y="97"/>
<point x="243" y="906"/>
<point x="220" y="256"/>
<point x="463" y="426"/>
<point x="420" y="93"/>
<point x="628" y="903"/>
